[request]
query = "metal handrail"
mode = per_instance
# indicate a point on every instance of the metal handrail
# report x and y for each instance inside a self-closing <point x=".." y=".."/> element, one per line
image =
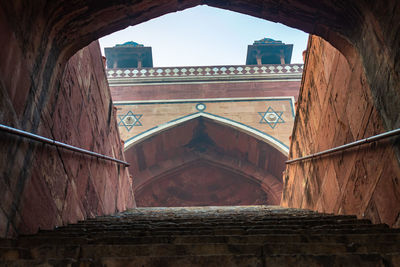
<point x="349" y="145"/>
<point x="52" y="142"/>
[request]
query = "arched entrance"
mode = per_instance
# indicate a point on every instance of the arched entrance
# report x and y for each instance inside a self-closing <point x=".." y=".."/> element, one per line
<point x="39" y="37"/>
<point x="364" y="32"/>
<point x="203" y="162"/>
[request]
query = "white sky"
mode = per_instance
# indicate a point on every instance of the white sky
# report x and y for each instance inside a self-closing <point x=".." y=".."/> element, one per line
<point x="204" y="35"/>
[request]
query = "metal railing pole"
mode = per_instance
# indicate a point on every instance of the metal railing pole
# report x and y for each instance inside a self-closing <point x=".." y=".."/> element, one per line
<point x="52" y="142"/>
<point x="349" y="145"/>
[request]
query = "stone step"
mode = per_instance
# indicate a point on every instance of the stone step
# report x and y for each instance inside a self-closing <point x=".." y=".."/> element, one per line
<point x="250" y="239"/>
<point x="151" y="224"/>
<point x="14" y="253"/>
<point x="32" y="241"/>
<point x="305" y="260"/>
<point x="232" y="218"/>
<point x="231" y="259"/>
<point x="228" y="236"/>
<point x="207" y="227"/>
<point x="207" y="249"/>
<point x="135" y="230"/>
<point x="49" y="263"/>
<point x="226" y="232"/>
<point x="193" y="261"/>
<point x="357" y="259"/>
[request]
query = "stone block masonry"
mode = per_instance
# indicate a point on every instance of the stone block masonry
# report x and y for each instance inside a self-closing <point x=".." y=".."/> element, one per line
<point x="336" y="107"/>
<point x="210" y="135"/>
<point x="38" y="37"/>
<point x="43" y="186"/>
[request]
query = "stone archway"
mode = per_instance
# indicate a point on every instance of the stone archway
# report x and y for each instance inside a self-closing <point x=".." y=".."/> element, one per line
<point x="272" y="141"/>
<point x="204" y="162"/>
<point x="362" y="31"/>
<point x="38" y="37"/>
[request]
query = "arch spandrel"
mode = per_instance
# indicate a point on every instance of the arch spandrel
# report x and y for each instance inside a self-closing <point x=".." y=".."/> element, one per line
<point x="241" y="127"/>
<point x="248" y="115"/>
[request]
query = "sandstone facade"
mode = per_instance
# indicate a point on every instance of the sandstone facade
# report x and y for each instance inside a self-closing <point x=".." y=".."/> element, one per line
<point x="214" y="148"/>
<point x="43" y="186"/>
<point x="336" y="106"/>
<point x="39" y="37"/>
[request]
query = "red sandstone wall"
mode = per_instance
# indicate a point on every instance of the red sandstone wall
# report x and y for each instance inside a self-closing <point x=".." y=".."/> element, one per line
<point x="336" y="107"/>
<point x="201" y="184"/>
<point x="205" y="90"/>
<point x="41" y="186"/>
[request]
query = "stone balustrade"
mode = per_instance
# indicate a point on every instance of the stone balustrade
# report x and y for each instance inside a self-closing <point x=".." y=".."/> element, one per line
<point x="205" y="71"/>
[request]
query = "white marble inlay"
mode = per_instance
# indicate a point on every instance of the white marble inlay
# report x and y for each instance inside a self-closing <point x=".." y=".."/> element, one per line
<point x="223" y="69"/>
<point x="205" y="71"/>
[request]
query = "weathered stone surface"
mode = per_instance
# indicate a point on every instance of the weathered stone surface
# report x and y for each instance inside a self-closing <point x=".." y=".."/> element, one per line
<point x="38" y="38"/>
<point x="43" y="186"/>
<point x="205" y="90"/>
<point x="209" y="236"/>
<point x="336" y="106"/>
<point x="200" y="184"/>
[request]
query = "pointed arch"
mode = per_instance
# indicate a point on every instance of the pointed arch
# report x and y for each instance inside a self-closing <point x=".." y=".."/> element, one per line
<point x="277" y="144"/>
<point x="183" y="161"/>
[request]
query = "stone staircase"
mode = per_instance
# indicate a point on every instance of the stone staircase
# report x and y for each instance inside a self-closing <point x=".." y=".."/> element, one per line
<point x="209" y="236"/>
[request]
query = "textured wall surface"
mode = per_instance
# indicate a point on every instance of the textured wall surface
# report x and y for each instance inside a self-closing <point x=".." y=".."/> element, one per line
<point x="205" y="90"/>
<point x="41" y="186"/>
<point x="201" y="184"/>
<point x="39" y="37"/>
<point x="336" y="107"/>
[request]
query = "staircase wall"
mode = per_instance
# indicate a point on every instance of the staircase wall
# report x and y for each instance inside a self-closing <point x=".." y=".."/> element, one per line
<point x="42" y="186"/>
<point x="336" y="107"/>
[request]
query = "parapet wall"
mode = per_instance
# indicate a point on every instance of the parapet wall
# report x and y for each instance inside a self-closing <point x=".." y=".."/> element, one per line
<point x="205" y="82"/>
<point x="336" y="107"/>
<point x="42" y="186"/>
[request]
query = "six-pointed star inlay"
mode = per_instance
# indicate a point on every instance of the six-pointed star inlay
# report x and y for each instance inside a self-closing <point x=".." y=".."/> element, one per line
<point x="271" y="117"/>
<point x="129" y="120"/>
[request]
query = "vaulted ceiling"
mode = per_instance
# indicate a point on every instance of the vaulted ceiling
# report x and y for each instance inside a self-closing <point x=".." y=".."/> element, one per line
<point x="202" y="162"/>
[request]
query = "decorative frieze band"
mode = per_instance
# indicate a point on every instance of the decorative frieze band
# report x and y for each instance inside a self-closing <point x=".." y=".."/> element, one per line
<point x="205" y="71"/>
